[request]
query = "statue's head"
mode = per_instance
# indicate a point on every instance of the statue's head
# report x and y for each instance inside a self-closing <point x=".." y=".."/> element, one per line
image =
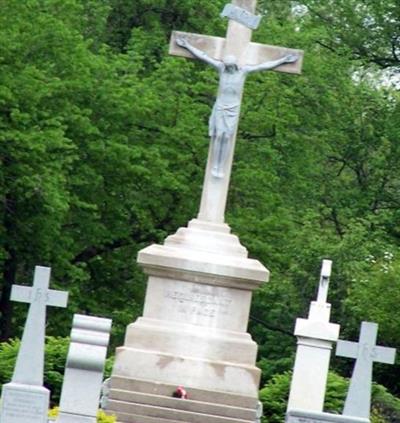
<point x="231" y="63"/>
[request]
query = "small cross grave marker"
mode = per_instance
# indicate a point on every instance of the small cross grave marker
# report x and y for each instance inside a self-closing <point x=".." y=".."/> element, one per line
<point x="366" y="352"/>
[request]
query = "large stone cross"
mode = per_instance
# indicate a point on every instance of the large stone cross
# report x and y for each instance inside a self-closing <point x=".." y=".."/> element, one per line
<point x="30" y="362"/>
<point x="366" y="352"/>
<point x="248" y="57"/>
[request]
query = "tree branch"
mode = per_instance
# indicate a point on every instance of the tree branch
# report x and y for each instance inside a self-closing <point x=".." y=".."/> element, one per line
<point x="271" y="327"/>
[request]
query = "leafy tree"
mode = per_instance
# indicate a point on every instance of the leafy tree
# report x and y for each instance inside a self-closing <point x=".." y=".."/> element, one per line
<point x="369" y="29"/>
<point x="103" y="149"/>
<point x="77" y="163"/>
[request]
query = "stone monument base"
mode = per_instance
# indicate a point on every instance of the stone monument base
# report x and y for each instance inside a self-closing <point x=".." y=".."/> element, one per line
<point x="74" y="418"/>
<point x="301" y="416"/>
<point x="24" y="403"/>
<point x="193" y="333"/>
<point x="140" y="401"/>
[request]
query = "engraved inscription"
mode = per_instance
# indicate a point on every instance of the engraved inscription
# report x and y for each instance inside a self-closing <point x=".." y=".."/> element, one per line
<point x="39" y="295"/>
<point x="325" y="418"/>
<point x="303" y="420"/>
<point x="24" y="406"/>
<point x="196" y="302"/>
<point x="241" y="15"/>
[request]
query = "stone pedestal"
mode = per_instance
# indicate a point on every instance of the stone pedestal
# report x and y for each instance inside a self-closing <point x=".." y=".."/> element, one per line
<point x="300" y="416"/>
<point x="192" y="333"/>
<point x="315" y="337"/>
<point x="24" y="403"/>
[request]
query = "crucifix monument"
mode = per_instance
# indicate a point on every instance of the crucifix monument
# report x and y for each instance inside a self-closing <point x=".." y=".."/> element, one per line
<point x="25" y="399"/>
<point x="234" y="57"/>
<point x="193" y="333"/>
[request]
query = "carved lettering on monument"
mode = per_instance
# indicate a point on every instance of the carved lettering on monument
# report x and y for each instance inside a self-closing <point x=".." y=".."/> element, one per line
<point x="196" y="302"/>
<point x="23" y="406"/>
<point x="296" y="419"/>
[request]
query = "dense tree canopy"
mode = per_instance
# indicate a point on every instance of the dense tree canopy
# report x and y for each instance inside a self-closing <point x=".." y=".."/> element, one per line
<point x="103" y="144"/>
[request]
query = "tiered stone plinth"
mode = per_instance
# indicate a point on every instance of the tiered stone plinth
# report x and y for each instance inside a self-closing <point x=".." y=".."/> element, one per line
<point x="192" y="333"/>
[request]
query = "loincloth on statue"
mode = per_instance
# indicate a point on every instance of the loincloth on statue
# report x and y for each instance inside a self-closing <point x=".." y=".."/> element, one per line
<point x="223" y="120"/>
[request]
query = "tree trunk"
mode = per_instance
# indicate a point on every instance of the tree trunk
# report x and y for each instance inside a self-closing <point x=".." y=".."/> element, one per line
<point x="10" y="269"/>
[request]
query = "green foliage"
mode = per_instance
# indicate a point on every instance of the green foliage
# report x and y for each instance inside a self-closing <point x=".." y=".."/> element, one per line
<point x="384" y="404"/>
<point x="368" y="28"/>
<point x="78" y="165"/>
<point x="156" y="19"/>
<point x="55" y="357"/>
<point x="274" y="396"/>
<point x="103" y="143"/>
<point x="56" y="350"/>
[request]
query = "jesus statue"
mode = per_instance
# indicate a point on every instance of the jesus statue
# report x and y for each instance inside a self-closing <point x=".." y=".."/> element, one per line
<point x="225" y="114"/>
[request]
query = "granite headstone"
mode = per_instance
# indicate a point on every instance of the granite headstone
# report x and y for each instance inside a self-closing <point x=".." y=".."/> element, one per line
<point x="83" y="376"/>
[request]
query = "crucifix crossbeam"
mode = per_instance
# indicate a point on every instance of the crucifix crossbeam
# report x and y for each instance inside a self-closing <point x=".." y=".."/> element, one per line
<point x="218" y="48"/>
<point x="234" y="57"/>
<point x="366" y="352"/>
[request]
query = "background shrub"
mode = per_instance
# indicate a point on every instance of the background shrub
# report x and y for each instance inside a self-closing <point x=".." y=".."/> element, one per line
<point x="56" y="351"/>
<point x="274" y="396"/>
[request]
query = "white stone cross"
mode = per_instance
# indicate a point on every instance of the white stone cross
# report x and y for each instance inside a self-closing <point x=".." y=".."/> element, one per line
<point x="366" y="352"/>
<point x="30" y="362"/>
<point x="238" y="45"/>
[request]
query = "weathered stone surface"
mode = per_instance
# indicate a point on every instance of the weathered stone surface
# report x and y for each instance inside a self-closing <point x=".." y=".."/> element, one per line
<point x="199" y="395"/>
<point x="255" y="53"/>
<point x="205" y="254"/>
<point x="241" y="15"/>
<point x="366" y="352"/>
<point x="315" y="336"/>
<point x="24" y="403"/>
<point x="25" y="399"/>
<point x="84" y="370"/>
<point x="184" y="405"/>
<point x="193" y="329"/>
<point x="301" y="416"/>
<point x="175" y="414"/>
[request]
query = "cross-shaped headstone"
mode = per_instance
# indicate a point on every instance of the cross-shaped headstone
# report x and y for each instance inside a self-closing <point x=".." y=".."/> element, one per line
<point x="24" y="399"/>
<point x="315" y="337"/>
<point x="234" y="57"/>
<point x="366" y="352"/>
<point x="30" y="362"/>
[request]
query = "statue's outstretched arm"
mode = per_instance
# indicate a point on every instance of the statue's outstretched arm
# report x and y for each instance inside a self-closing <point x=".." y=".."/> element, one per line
<point x="272" y="64"/>
<point x="182" y="42"/>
